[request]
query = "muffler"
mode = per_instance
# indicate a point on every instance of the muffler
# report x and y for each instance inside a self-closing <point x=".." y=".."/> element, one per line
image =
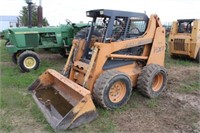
<point x="64" y="103"/>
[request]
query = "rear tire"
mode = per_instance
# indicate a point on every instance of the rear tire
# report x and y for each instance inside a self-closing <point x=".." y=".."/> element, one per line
<point x="152" y="81"/>
<point x="15" y="56"/>
<point x="28" y="60"/>
<point x="63" y="53"/>
<point x="112" y="89"/>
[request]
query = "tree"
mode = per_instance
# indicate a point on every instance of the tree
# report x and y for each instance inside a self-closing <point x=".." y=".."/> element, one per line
<point x="23" y="17"/>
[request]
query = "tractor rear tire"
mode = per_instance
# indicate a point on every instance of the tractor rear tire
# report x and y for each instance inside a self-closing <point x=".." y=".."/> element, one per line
<point x="28" y="60"/>
<point x="112" y="89"/>
<point x="63" y="53"/>
<point x="152" y="81"/>
<point x="15" y="56"/>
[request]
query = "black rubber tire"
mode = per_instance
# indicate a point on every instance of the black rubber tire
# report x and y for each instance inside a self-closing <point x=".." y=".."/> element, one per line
<point x="103" y="85"/>
<point x="15" y="56"/>
<point x="25" y="55"/>
<point x="146" y="79"/>
<point x="198" y="57"/>
<point x="63" y="53"/>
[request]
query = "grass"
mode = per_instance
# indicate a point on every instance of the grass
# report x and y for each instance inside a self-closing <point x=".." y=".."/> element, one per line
<point x="4" y="54"/>
<point x="190" y="87"/>
<point x="15" y="98"/>
<point x="189" y="83"/>
<point x="178" y="61"/>
<point x="152" y="103"/>
<point x="19" y="113"/>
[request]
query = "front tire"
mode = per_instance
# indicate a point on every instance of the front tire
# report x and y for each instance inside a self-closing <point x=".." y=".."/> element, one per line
<point x="152" y="81"/>
<point x="112" y="89"/>
<point x="28" y="60"/>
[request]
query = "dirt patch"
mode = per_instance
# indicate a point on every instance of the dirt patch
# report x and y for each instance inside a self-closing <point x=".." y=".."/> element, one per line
<point x="174" y="112"/>
<point x="51" y="56"/>
<point x="178" y="74"/>
<point x="170" y="115"/>
<point x="191" y="99"/>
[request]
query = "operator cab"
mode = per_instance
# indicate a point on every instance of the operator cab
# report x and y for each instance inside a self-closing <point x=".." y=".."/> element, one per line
<point x="114" y="25"/>
<point x="185" y="25"/>
<point x="118" y="24"/>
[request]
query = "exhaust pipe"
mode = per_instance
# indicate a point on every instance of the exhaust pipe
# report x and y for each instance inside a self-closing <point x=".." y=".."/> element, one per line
<point x="40" y="14"/>
<point x="29" y="14"/>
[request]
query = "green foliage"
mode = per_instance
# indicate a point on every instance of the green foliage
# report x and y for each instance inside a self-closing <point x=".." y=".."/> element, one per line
<point x="23" y="17"/>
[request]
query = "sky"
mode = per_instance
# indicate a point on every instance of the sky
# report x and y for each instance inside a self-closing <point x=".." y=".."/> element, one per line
<point x="57" y="11"/>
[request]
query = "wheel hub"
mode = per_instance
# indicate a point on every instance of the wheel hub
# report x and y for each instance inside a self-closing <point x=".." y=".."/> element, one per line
<point x="29" y="62"/>
<point x="117" y="92"/>
<point x="157" y="82"/>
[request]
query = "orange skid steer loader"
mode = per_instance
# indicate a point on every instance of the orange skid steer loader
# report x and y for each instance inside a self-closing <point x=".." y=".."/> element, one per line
<point x="184" y="39"/>
<point x="119" y="51"/>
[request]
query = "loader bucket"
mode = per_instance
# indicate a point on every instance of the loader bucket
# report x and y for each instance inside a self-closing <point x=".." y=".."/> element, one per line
<point x="64" y="103"/>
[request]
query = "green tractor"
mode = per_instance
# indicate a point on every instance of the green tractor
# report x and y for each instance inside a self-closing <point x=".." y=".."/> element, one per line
<point x="5" y="35"/>
<point x="24" y="41"/>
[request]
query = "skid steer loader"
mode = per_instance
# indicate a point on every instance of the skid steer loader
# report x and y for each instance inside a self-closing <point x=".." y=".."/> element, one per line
<point x="184" y="39"/>
<point x="120" y="50"/>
